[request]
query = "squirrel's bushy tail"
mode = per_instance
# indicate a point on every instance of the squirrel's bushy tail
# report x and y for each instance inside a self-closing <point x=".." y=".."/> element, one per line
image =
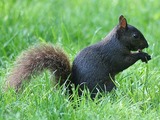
<point x="37" y="59"/>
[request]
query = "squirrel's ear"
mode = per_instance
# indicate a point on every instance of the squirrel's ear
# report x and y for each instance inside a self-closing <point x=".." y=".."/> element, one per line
<point x="122" y="22"/>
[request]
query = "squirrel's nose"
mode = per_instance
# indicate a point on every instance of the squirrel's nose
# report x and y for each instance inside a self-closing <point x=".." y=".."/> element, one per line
<point x="144" y="44"/>
<point x="147" y="45"/>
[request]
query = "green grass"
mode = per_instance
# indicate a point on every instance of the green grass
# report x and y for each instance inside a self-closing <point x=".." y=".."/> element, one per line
<point x="73" y="25"/>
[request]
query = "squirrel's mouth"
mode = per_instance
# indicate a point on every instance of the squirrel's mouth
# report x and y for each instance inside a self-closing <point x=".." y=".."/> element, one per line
<point x="136" y="51"/>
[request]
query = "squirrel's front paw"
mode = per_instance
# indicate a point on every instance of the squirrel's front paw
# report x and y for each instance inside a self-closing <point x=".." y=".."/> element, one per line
<point x="144" y="57"/>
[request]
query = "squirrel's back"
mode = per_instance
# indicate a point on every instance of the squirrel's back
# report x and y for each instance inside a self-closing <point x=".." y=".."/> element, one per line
<point x="37" y="59"/>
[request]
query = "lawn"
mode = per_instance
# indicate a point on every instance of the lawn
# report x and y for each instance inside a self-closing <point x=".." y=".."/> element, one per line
<point x="73" y="25"/>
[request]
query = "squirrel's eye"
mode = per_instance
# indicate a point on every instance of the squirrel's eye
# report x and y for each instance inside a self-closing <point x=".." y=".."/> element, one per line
<point x="135" y="36"/>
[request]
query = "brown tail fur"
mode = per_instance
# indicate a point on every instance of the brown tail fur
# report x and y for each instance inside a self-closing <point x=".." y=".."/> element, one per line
<point x="37" y="59"/>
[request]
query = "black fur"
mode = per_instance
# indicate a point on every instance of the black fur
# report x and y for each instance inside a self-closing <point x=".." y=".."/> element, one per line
<point x="97" y="65"/>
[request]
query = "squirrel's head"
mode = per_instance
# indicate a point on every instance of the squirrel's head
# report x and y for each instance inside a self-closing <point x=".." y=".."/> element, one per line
<point x="130" y="36"/>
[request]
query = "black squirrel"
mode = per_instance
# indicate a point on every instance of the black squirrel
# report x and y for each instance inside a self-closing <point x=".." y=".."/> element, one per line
<point x="94" y="67"/>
